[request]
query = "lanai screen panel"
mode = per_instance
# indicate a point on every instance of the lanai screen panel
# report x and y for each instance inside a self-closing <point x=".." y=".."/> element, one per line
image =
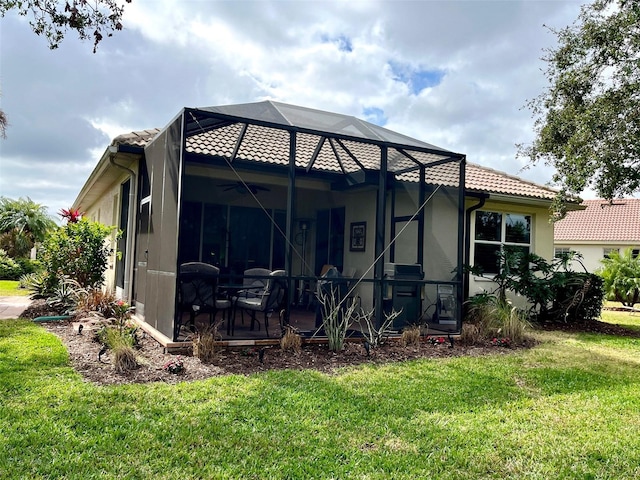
<point x="163" y="161"/>
<point x="347" y="154"/>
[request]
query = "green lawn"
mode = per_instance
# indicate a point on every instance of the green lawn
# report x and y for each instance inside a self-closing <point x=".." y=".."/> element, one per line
<point x="569" y="408"/>
<point x="626" y="319"/>
<point x="9" y="288"/>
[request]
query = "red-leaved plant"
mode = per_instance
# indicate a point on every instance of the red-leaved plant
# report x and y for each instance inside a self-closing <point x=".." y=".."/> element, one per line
<point x="71" y="215"/>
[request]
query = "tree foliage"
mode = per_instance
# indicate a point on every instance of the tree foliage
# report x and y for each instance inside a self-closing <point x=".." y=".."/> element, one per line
<point x="621" y="274"/>
<point x="587" y="124"/>
<point x="53" y="18"/>
<point x="3" y="124"/>
<point x="23" y="222"/>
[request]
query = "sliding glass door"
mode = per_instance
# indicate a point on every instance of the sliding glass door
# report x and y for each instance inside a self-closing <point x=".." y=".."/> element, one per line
<point x="232" y="237"/>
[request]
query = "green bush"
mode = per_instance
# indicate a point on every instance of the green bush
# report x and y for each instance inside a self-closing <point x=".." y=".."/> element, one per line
<point x="578" y="297"/>
<point x="76" y="251"/>
<point x="555" y="293"/>
<point x="9" y="268"/>
<point x="29" y="266"/>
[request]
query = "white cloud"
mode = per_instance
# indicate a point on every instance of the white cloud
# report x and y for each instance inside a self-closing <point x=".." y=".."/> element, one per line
<point x="65" y="106"/>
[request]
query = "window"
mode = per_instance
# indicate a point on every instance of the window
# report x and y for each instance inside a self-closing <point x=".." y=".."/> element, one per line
<point x="560" y="252"/>
<point x="495" y="231"/>
<point x="635" y="252"/>
<point x="606" y="252"/>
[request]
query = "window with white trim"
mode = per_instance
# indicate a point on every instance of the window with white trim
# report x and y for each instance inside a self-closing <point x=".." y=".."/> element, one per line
<point x="606" y="252"/>
<point x="560" y="252"/>
<point x="495" y="231"/>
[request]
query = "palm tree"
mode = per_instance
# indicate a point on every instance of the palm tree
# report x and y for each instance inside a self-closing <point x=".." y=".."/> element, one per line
<point x="621" y="274"/>
<point x="22" y="223"/>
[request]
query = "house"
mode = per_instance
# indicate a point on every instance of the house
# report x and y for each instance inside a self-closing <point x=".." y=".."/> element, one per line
<point x="599" y="228"/>
<point x="285" y="187"/>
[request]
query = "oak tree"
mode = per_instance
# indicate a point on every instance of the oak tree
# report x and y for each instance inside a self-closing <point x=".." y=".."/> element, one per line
<point x="53" y="18"/>
<point x="587" y="121"/>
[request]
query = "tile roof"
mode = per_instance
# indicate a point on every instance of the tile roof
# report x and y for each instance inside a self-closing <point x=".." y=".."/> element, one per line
<point x="271" y="145"/>
<point x="136" y="139"/>
<point x="601" y="221"/>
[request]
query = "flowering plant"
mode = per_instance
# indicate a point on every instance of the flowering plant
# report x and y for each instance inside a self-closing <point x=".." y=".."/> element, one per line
<point x="122" y="310"/>
<point x="501" y="342"/>
<point x="71" y="215"/>
<point x="436" y="340"/>
<point x="175" y="365"/>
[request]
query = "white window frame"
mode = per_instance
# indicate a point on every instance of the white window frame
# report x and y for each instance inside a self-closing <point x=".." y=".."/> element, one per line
<point x="558" y="252"/>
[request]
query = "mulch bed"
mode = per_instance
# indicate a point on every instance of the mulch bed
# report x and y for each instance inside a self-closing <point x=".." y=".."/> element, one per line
<point x="84" y="354"/>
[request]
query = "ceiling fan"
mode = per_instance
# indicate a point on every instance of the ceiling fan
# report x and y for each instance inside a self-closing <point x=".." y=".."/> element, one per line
<point x="242" y="188"/>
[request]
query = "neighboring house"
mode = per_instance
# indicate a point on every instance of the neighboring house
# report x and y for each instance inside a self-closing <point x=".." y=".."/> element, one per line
<point x="286" y="187"/>
<point x="598" y="229"/>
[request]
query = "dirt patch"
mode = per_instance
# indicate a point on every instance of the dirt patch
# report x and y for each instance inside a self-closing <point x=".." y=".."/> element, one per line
<point x="84" y="354"/>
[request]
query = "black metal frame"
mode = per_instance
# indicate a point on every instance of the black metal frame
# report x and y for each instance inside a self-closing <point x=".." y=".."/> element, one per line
<point x="196" y="121"/>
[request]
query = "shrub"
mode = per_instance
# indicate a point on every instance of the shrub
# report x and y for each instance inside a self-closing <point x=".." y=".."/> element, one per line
<point x="77" y="251"/>
<point x="554" y="292"/>
<point x="376" y="336"/>
<point x="578" y="298"/>
<point x="9" y="268"/>
<point x="96" y="300"/>
<point x="175" y="365"/>
<point x="29" y="266"/>
<point x="492" y="317"/>
<point x="411" y="335"/>
<point x="336" y="318"/>
<point x="204" y="343"/>
<point x="470" y="334"/>
<point x="121" y="344"/>
<point x="64" y="296"/>
<point x="290" y="341"/>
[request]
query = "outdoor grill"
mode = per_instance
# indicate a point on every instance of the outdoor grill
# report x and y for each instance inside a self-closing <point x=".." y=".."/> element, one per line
<point x="403" y="295"/>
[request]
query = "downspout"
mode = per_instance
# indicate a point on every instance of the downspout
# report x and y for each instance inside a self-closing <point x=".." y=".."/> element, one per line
<point x="482" y="198"/>
<point x="113" y="150"/>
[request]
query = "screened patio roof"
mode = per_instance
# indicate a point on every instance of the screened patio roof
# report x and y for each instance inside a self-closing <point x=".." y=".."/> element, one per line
<point x="325" y="141"/>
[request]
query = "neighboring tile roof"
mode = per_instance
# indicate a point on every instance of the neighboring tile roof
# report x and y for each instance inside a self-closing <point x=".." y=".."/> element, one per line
<point x="601" y="221"/>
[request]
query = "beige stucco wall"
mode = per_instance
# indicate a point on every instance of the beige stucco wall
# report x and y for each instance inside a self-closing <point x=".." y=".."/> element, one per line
<point x="440" y="248"/>
<point x="106" y="211"/>
<point x="541" y="238"/>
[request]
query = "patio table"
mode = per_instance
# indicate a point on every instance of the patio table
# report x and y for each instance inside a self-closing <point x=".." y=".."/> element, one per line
<point x="231" y="291"/>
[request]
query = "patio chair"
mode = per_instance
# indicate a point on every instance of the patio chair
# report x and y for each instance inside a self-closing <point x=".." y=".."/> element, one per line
<point x="198" y="293"/>
<point x="252" y="284"/>
<point x="271" y="300"/>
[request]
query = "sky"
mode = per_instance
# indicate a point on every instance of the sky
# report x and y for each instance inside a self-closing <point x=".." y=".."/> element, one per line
<point x="456" y="74"/>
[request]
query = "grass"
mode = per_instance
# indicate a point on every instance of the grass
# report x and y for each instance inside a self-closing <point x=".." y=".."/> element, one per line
<point x="569" y="408"/>
<point x="629" y="320"/>
<point x="9" y="288"/>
